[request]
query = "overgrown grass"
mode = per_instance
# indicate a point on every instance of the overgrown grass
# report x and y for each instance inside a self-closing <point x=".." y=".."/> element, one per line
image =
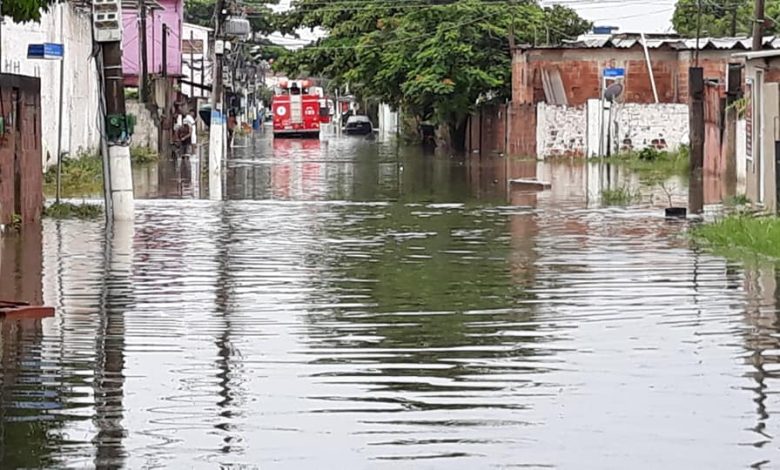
<point x="67" y="210"/>
<point x="654" y="165"/>
<point x="619" y="196"/>
<point x="143" y="155"/>
<point x="738" y="200"/>
<point x="742" y="233"/>
<point x="81" y="176"/>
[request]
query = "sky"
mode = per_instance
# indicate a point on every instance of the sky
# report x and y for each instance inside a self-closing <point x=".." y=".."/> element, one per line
<point x="631" y="16"/>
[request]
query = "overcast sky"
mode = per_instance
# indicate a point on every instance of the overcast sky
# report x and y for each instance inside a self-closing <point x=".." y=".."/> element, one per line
<point x="631" y="16"/>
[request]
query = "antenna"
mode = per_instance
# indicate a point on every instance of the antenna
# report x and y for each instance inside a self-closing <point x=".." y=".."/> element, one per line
<point x="613" y="91"/>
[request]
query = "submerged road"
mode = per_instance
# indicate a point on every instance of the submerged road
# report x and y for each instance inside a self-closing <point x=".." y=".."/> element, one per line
<point x="358" y="304"/>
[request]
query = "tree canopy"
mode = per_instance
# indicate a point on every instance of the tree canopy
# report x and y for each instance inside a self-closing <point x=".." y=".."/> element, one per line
<point x="22" y="11"/>
<point x="261" y="17"/>
<point x="723" y="18"/>
<point x="435" y="59"/>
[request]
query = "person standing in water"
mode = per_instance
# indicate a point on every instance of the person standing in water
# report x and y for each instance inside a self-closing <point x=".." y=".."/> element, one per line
<point x="190" y="140"/>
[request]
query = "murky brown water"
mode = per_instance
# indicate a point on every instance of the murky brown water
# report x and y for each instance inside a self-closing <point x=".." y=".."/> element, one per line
<point x="356" y="305"/>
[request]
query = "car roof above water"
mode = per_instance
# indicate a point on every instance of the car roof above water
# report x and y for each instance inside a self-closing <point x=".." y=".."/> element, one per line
<point x="360" y="118"/>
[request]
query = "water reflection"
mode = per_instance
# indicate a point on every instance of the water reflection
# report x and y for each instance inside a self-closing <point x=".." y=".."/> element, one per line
<point x="357" y="304"/>
<point x="26" y="431"/>
<point x="169" y="178"/>
<point x="762" y="283"/>
<point x="109" y="377"/>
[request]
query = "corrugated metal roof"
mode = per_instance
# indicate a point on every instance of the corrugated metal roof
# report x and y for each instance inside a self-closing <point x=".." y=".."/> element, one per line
<point x="627" y="41"/>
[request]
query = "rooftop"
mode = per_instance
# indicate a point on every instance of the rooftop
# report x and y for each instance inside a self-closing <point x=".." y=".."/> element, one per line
<point x="656" y="41"/>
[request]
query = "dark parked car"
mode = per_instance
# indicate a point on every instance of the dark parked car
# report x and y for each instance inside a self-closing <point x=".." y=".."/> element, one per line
<point x="358" y="125"/>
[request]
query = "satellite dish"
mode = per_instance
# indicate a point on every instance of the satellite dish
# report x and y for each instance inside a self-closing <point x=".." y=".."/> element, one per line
<point x="613" y="91"/>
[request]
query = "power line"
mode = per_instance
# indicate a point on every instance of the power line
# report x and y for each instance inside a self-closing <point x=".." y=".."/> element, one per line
<point x="399" y="41"/>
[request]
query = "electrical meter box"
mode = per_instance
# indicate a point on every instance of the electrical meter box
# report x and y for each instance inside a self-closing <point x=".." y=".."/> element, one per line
<point x="107" y="20"/>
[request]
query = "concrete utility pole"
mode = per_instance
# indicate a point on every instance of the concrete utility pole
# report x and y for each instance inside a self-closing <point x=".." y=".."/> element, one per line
<point x="758" y="26"/>
<point x="217" y="131"/>
<point x="117" y="133"/>
<point x="107" y="22"/>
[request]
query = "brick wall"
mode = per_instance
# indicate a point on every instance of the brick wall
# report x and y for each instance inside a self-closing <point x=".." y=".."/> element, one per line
<point x="486" y="132"/>
<point x="541" y="130"/>
<point x="580" y="71"/>
<point x="522" y="130"/>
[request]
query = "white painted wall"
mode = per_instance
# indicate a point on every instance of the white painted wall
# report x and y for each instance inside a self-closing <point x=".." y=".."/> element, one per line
<point x="63" y="24"/>
<point x="388" y="120"/>
<point x="560" y="130"/>
<point x="741" y="156"/>
<point x="644" y="125"/>
<point x="576" y="131"/>
<point x="190" y="61"/>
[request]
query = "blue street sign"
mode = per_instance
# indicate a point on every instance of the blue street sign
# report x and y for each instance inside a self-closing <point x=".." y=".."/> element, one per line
<point x="614" y="73"/>
<point x="47" y="50"/>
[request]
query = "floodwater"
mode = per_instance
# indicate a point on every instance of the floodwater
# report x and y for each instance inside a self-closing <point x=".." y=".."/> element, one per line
<point x="356" y="304"/>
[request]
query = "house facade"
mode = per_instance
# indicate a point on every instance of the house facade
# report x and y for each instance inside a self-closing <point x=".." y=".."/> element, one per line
<point x="164" y="24"/>
<point x="572" y="73"/>
<point x="761" y="114"/>
<point x="71" y="25"/>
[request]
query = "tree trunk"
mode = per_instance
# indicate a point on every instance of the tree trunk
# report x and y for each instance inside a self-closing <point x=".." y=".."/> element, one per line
<point x="457" y="128"/>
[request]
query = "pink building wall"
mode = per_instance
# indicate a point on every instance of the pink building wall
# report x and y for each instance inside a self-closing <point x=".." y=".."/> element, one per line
<point x="171" y="15"/>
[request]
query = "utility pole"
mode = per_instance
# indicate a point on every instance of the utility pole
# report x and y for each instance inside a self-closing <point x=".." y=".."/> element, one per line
<point x="698" y="33"/>
<point x="758" y="26"/>
<point x="1" y="35"/>
<point x="696" y="123"/>
<point x="191" y="75"/>
<point x="165" y="50"/>
<point x="144" y="51"/>
<point x="107" y="23"/>
<point x="217" y="131"/>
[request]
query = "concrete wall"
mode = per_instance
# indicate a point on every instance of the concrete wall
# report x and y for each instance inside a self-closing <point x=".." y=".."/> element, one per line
<point x="663" y="126"/>
<point x="581" y="70"/>
<point x="171" y="15"/>
<point x="64" y="24"/>
<point x="145" y="133"/>
<point x="560" y="130"/>
<point x="572" y="132"/>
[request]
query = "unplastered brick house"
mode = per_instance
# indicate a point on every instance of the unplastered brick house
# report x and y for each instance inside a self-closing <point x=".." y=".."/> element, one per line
<point x="652" y="106"/>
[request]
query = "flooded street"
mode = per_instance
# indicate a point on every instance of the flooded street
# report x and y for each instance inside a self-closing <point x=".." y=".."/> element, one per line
<point x="358" y="304"/>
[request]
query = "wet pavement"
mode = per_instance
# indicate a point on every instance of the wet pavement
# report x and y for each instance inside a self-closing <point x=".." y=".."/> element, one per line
<point x="358" y="304"/>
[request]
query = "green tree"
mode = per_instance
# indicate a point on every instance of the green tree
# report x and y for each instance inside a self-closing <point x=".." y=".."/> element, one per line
<point x="261" y="17"/>
<point x="723" y="18"/>
<point x="435" y="60"/>
<point x="22" y="11"/>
